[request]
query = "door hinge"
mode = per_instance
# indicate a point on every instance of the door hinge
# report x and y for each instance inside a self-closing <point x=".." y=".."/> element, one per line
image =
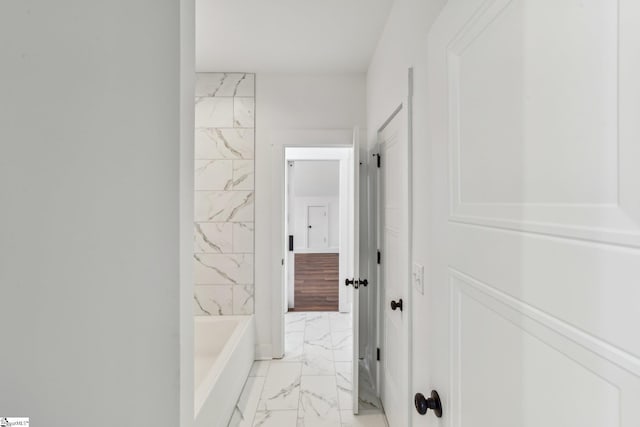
<point x="378" y="159"/>
<point x="379" y="256"/>
<point x="378" y="353"/>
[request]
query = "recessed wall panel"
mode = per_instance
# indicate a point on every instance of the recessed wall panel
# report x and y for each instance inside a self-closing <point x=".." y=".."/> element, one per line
<point x="542" y="135"/>
<point x="537" y="97"/>
<point x="537" y="375"/>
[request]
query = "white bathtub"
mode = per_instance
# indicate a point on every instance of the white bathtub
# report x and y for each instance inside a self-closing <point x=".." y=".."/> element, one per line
<point x="224" y="352"/>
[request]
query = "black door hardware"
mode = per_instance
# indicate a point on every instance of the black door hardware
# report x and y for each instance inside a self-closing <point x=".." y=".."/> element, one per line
<point x="423" y="404"/>
<point x="290" y="243"/>
<point x="377" y="155"/>
<point x="395" y="305"/>
<point x="309" y="226"/>
<point x="356" y="282"/>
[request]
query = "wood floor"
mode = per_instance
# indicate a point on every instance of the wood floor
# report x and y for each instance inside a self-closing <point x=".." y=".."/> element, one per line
<point x="316" y="282"/>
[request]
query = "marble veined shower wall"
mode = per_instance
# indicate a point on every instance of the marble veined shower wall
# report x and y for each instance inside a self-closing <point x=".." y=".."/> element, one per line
<point x="224" y="194"/>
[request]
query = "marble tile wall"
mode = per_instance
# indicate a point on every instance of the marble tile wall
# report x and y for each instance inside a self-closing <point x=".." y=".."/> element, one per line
<point x="224" y="194"/>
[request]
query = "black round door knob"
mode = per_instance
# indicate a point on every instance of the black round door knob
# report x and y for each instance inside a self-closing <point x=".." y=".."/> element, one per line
<point x="348" y="282"/>
<point x="396" y="304"/>
<point x="423" y="404"/>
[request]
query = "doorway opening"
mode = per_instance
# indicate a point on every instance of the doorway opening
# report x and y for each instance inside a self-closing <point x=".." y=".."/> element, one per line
<point x="319" y="351"/>
<point x="316" y="228"/>
<point x="312" y="211"/>
<point x="318" y="328"/>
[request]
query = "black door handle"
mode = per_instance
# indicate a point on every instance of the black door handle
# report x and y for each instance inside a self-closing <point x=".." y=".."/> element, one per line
<point x="395" y="304"/>
<point x="356" y="282"/>
<point x="423" y="404"/>
<point x="309" y="226"/>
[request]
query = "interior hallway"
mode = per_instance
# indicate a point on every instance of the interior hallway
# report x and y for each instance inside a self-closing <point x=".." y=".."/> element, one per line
<point x="311" y="385"/>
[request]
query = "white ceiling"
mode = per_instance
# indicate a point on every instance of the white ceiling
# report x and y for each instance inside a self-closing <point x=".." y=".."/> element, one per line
<point x="288" y="35"/>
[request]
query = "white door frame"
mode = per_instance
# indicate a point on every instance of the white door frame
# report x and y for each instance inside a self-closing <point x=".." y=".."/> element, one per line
<point x="318" y="138"/>
<point x="405" y="109"/>
<point x="345" y="168"/>
<point x="290" y="254"/>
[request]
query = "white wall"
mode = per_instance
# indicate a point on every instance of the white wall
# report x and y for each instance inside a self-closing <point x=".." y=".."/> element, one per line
<point x="315" y="182"/>
<point x="90" y="226"/>
<point x="316" y="178"/>
<point x="320" y="108"/>
<point x="187" y="113"/>
<point x="403" y="45"/>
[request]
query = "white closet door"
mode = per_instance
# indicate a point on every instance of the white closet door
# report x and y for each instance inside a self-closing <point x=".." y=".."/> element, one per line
<point x="534" y="282"/>
<point x="394" y="233"/>
<point x="317" y="227"/>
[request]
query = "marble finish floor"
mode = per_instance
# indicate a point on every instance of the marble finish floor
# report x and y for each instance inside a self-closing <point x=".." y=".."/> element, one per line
<point x="310" y="386"/>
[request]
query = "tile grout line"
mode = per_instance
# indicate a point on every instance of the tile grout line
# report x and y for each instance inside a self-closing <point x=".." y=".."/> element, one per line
<point x="264" y="383"/>
<point x="301" y="366"/>
<point x="335" y="369"/>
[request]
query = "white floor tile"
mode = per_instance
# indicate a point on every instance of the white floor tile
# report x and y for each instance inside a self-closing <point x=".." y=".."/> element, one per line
<point x="342" y="344"/>
<point x="276" y="419"/>
<point x="318" y="401"/>
<point x="321" y="341"/>
<point x="259" y="368"/>
<point x="295" y="322"/>
<point x="317" y="361"/>
<point x="317" y="327"/>
<point x="344" y="380"/>
<point x="282" y="386"/>
<point x="362" y="420"/>
<point x="249" y="399"/>
<point x="312" y="385"/>
<point x="340" y="322"/>
<point x="318" y="423"/>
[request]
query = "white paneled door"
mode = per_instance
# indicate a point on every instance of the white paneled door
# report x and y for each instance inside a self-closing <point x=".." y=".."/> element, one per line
<point x="394" y="241"/>
<point x="317" y="227"/>
<point x="534" y="281"/>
